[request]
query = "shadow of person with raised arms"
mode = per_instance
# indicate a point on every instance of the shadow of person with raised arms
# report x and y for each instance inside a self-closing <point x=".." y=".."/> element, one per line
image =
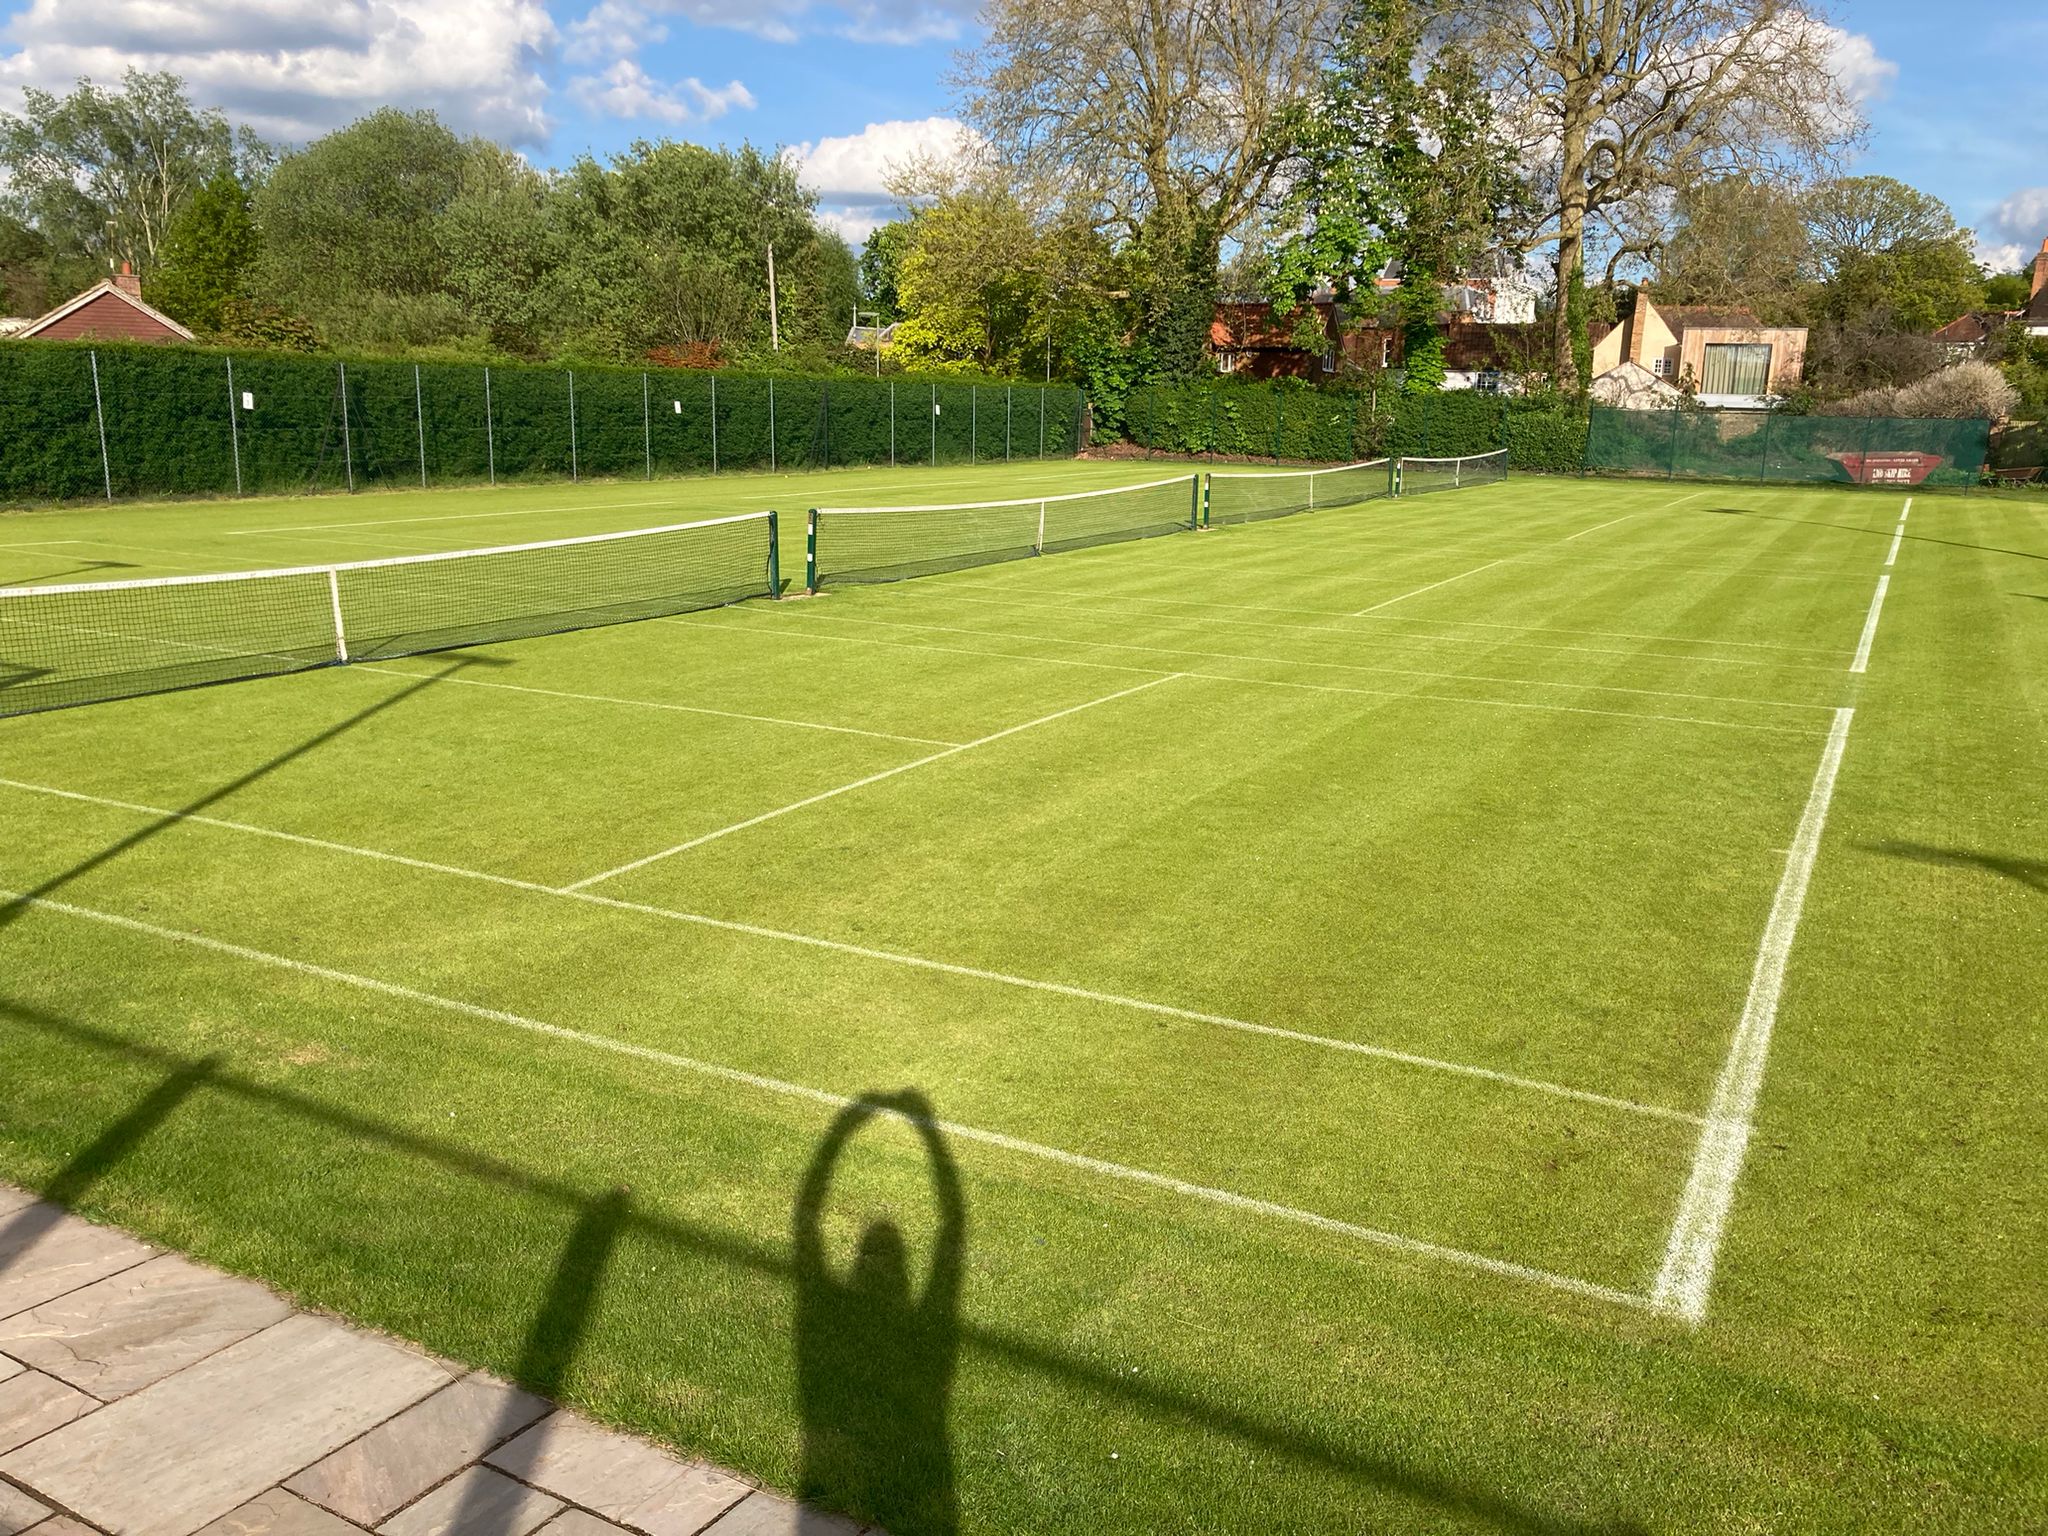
<point x="875" y="1356"/>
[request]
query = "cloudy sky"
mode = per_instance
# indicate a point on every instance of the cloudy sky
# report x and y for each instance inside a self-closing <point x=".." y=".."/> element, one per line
<point x="1956" y="92"/>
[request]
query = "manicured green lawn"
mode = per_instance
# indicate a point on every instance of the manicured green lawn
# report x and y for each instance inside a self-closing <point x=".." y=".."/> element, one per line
<point x="1318" y="1008"/>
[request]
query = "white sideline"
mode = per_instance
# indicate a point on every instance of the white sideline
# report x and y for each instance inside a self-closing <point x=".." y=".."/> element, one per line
<point x="1101" y="1167"/>
<point x="684" y="709"/>
<point x="873" y="778"/>
<point x="863" y="952"/>
<point x="1687" y="1274"/>
<point x="1862" y="661"/>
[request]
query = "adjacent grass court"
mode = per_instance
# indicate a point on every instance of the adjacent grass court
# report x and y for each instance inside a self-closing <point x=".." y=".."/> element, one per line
<point x="1518" y="1009"/>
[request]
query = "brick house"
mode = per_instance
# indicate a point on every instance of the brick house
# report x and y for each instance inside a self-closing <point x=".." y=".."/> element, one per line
<point x="1731" y="357"/>
<point x="112" y="310"/>
<point x="1249" y="339"/>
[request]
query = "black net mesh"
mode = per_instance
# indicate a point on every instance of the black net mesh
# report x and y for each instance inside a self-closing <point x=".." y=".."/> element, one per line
<point x="1768" y="445"/>
<point x="1420" y="475"/>
<point x="890" y="543"/>
<point x="1248" y="497"/>
<point x="80" y="644"/>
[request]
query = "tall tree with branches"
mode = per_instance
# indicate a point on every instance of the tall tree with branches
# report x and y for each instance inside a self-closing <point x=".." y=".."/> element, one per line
<point x="1157" y="123"/>
<point x="1619" y="101"/>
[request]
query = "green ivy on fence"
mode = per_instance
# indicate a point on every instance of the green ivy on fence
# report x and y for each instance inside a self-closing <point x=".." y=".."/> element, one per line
<point x="138" y="421"/>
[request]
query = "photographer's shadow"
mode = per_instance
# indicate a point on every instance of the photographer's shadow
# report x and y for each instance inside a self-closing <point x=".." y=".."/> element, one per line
<point x="875" y="1356"/>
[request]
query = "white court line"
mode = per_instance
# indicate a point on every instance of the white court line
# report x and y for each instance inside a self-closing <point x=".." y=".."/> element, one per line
<point x="685" y="709"/>
<point x="1341" y="666"/>
<point x="1687" y="1274"/>
<point x="1899" y="532"/>
<point x="1907" y="510"/>
<point x="1078" y="1161"/>
<point x="883" y="956"/>
<point x="1376" y="607"/>
<point x="1862" y="661"/>
<point x="873" y="778"/>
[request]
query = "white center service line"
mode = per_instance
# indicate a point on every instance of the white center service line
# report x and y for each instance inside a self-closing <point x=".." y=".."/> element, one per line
<point x="873" y="778"/>
<point x="1862" y="661"/>
<point x="1687" y="1274"/>
<point x="1017" y="1146"/>
<point x="1899" y="532"/>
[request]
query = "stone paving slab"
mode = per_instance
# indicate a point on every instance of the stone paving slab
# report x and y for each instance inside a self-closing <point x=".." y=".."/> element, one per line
<point x="580" y="1522"/>
<point x="62" y="1525"/>
<point x="398" y="1461"/>
<point x="619" y="1477"/>
<point x="33" y="1404"/>
<point x="201" y="1443"/>
<point x="278" y="1513"/>
<point x="45" y="1253"/>
<point x="478" y="1503"/>
<point x="769" y="1514"/>
<point x="118" y="1335"/>
<point x="18" y="1511"/>
<point x="10" y="1367"/>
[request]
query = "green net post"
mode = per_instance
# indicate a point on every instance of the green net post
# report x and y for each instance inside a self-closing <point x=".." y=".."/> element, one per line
<point x="774" y="556"/>
<point x="811" y="552"/>
<point x="1393" y="476"/>
<point x="1195" y="500"/>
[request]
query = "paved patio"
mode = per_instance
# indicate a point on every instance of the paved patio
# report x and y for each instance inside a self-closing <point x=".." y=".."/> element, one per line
<point x="144" y="1395"/>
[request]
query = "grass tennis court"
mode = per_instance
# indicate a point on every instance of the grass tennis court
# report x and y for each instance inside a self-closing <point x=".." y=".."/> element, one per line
<point x="1518" y="1009"/>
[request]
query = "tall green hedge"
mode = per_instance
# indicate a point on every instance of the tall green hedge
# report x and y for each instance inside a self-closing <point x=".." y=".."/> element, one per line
<point x="1287" y="420"/>
<point x="175" y="422"/>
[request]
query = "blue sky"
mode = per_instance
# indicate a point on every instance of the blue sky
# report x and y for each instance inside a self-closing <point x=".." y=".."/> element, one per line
<point x="1956" y="93"/>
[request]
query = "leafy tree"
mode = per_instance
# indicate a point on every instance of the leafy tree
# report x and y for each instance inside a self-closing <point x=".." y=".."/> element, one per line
<point x="1397" y="157"/>
<point x="881" y="262"/>
<point x="1889" y="256"/>
<point x="968" y="280"/>
<point x="207" y="254"/>
<point x="2008" y="290"/>
<point x="101" y="175"/>
<point x="1739" y="241"/>
<point x="1155" y="125"/>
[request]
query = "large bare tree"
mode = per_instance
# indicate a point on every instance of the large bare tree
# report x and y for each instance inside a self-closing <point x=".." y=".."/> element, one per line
<point x="1621" y="101"/>
<point x="1156" y="119"/>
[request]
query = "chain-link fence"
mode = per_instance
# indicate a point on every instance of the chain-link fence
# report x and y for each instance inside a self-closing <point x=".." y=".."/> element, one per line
<point x="1767" y="445"/>
<point x="112" y="422"/>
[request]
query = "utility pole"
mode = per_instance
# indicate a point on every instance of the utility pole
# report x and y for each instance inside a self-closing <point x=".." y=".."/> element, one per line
<point x="774" y="318"/>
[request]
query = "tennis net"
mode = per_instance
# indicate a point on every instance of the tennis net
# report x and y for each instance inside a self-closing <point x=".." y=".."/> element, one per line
<point x="1243" y="497"/>
<point x="1418" y="475"/>
<point x="891" y="543"/>
<point x="92" y="641"/>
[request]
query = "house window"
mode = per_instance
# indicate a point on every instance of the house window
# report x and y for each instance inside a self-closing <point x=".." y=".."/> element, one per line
<point x="1330" y="360"/>
<point x="1226" y="362"/>
<point x="1661" y="366"/>
<point x="1737" y="368"/>
<point x="1387" y="351"/>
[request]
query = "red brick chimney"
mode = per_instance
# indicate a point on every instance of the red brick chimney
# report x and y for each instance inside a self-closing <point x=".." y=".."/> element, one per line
<point x="128" y="282"/>
<point x="2040" y="272"/>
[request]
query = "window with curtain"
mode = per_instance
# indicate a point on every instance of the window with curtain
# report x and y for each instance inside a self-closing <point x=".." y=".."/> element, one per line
<point x="1737" y="368"/>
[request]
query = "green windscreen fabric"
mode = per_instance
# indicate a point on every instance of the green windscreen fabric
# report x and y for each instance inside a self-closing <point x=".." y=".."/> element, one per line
<point x="1768" y="445"/>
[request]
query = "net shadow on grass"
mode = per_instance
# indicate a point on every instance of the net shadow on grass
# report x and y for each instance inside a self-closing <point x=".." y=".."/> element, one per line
<point x="1875" y="533"/>
<point x="82" y="568"/>
<point x="875" y="1353"/>
<point x="1303" y="1444"/>
<point x="2032" y="873"/>
<point x="12" y="910"/>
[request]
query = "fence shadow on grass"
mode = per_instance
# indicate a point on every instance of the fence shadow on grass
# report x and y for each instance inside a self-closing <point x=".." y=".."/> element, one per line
<point x="1874" y="533"/>
<point x="2032" y="873"/>
<point x="1304" y="1443"/>
<point x="12" y="910"/>
<point x="875" y="1349"/>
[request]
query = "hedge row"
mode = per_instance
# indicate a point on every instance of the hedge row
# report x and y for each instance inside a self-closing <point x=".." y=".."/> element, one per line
<point x="178" y="421"/>
<point x="1287" y="421"/>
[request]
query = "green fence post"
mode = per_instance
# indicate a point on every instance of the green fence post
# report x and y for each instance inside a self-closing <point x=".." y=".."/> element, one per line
<point x="771" y="426"/>
<point x="1279" y="422"/>
<point x="714" y="423"/>
<point x="825" y="420"/>
<point x="774" y="555"/>
<point x="234" y="427"/>
<point x="99" y="412"/>
<point x="892" y="423"/>
<point x="1671" y="459"/>
<point x="419" y="416"/>
<point x="646" y="424"/>
<point x="974" y="424"/>
<point x="490" y="432"/>
<point x="1863" y="464"/>
<point x="1763" y="468"/>
<point x="935" y="426"/>
<point x="1041" y="421"/>
<point x="575" y="470"/>
<point x="348" y="454"/>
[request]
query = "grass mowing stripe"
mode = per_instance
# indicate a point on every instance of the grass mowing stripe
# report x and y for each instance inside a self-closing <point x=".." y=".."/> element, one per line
<point x="1862" y="661"/>
<point x="883" y="956"/>
<point x="686" y="709"/>
<point x="1297" y="661"/>
<point x="1687" y="1273"/>
<point x="873" y="778"/>
<point x="1081" y="1162"/>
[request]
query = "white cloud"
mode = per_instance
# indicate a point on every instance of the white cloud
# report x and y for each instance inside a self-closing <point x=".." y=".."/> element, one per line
<point x="1864" y="74"/>
<point x="850" y="172"/>
<point x="2011" y="233"/>
<point x="626" y="90"/>
<point x="293" y="69"/>
<point x="613" y="29"/>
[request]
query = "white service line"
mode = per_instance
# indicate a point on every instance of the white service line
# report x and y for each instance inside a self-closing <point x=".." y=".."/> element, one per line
<point x="1687" y="1273"/>
<point x="683" y="709"/>
<point x="1078" y="1161"/>
<point x="1376" y="607"/>
<point x="883" y="956"/>
<point x="1862" y="661"/>
<point x="873" y="778"/>
<point x="1899" y="532"/>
